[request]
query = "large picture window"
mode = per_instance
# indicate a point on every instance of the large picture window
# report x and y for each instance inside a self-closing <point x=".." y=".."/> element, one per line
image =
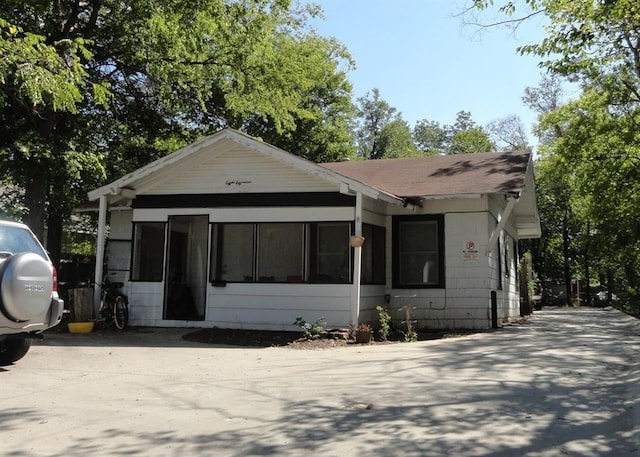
<point x="280" y="252"/>
<point x="418" y="243"/>
<point x="148" y="251"/>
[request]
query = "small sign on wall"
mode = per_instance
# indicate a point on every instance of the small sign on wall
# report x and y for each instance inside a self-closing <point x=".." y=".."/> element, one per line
<point x="470" y="251"/>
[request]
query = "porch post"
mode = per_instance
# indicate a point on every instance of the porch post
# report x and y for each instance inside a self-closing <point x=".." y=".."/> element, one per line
<point x="102" y="222"/>
<point x="357" y="263"/>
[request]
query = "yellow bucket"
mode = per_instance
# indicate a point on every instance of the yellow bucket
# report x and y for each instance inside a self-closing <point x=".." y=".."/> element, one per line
<point x="80" y="327"/>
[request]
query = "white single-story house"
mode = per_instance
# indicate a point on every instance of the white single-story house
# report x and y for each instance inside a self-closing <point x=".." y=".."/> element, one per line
<point x="235" y="233"/>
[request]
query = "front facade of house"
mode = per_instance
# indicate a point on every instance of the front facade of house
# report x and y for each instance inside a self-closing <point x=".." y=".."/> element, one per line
<point x="234" y="233"/>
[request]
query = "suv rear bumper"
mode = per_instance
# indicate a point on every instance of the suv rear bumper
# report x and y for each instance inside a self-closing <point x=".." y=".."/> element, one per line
<point x="56" y="310"/>
<point x="51" y="318"/>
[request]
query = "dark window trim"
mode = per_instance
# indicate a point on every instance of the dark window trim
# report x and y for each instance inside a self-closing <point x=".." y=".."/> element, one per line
<point x="275" y="199"/>
<point x="439" y="218"/>
<point x="308" y="255"/>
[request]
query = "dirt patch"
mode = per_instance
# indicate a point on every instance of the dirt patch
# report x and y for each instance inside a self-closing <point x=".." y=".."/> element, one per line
<point x="294" y="340"/>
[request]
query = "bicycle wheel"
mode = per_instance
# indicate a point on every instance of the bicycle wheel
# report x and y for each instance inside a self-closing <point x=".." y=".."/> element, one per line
<point x="120" y="312"/>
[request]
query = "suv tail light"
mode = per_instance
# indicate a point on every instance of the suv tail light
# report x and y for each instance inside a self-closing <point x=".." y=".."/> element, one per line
<point x="55" y="279"/>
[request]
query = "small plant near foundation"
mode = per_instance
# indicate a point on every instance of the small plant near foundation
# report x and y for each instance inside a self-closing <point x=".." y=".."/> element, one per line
<point x="385" y="322"/>
<point x="311" y="331"/>
<point x="361" y="332"/>
<point x="361" y="327"/>
<point x="410" y="335"/>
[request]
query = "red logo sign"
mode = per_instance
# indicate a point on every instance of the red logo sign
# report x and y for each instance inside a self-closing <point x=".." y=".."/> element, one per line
<point x="471" y="245"/>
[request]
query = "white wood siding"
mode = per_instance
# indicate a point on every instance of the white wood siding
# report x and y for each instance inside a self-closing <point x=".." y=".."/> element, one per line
<point x="237" y="171"/>
<point x="276" y="306"/>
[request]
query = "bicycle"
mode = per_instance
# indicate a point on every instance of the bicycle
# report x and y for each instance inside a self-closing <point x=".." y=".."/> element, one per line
<point x="114" y="305"/>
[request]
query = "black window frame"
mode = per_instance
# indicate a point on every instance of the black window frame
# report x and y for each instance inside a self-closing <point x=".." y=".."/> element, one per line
<point x="216" y="276"/>
<point x="396" y="234"/>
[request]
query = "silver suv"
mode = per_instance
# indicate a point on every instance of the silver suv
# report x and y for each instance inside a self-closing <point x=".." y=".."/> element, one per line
<point x="29" y="302"/>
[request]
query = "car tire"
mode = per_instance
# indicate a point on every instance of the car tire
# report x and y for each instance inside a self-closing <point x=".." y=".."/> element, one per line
<point x="12" y="350"/>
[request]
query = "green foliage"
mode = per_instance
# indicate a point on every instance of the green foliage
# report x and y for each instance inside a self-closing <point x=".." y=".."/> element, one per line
<point x="470" y="141"/>
<point x="311" y="331"/>
<point x="90" y="91"/>
<point x="42" y="74"/>
<point x="396" y="141"/>
<point x="430" y="137"/>
<point x="590" y="168"/>
<point x="384" y="320"/>
<point x="463" y="137"/>
<point x="374" y="113"/>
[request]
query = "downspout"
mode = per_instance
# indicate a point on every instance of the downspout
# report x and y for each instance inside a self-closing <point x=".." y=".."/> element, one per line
<point x="100" y="244"/>
<point x="357" y="263"/>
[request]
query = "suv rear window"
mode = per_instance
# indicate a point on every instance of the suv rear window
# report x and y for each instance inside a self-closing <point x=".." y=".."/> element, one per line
<point x="17" y="239"/>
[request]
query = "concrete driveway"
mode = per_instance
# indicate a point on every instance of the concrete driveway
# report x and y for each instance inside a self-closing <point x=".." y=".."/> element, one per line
<point x="566" y="383"/>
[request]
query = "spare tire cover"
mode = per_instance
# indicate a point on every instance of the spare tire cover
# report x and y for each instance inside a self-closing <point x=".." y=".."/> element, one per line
<point x="26" y="282"/>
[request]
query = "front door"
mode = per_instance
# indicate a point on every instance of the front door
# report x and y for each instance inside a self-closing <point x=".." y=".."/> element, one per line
<point x="186" y="270"/>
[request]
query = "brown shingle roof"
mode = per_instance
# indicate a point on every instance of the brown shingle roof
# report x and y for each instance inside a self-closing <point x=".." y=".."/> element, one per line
<point x="486" y="173"/>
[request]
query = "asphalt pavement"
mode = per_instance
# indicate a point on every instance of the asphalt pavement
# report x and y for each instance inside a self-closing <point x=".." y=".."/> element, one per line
<point x="564" y="383"/>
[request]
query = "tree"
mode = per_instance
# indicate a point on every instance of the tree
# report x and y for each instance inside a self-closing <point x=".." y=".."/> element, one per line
<point x="470" y="141"/>
<point x="600" y="147"/>
<point x="111" y="85"/>
<point x="594" y="137"/>
<point x="396" y="140"/>
<point x="430" y="137"/>
<point x="463" y="137"/>
<point x="508" y="133"/>
<point x="374" y="114"/>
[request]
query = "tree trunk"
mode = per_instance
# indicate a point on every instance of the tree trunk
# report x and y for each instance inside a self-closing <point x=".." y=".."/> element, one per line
<point x="565" y="249"/>
<point x="54" y="237"/>
<point x="35" y="198"/>
<point x="586" y="266"/>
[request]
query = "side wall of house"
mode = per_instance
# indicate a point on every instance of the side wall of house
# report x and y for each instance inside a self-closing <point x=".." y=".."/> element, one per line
<point x="503" y="262"/>
<point x="471" y="274"/>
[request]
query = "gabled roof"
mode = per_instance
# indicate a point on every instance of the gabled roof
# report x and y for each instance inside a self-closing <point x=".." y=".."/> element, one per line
<point x="126" y="187"/>
<point x="460" y="174"/>
<point x="396" y="181"/>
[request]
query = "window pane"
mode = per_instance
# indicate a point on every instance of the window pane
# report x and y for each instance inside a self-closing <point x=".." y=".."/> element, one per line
<point x="331" y="253"/>
<point x="418" y="268"/>
<point x="373" y="255"/>
<point x="148" y="254"/>
<point x="280" y="252"/>
<point x="418" y="253"/>
<point x="236" y="258"/>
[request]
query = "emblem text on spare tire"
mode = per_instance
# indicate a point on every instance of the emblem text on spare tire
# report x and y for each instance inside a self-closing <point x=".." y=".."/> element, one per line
<point x="33" y="288"/>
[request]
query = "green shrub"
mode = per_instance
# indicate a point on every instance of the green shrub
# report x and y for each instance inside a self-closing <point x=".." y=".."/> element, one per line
<point x="311" y="331"/>
<point x="385" y="322"/>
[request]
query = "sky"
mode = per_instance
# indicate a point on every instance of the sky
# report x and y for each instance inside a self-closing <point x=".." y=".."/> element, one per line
<point x="427" y="65"/>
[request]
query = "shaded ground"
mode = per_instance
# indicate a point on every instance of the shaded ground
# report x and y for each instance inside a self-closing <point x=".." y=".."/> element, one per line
<point x="294" y="340"/>
<point x="565" y="383"/>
